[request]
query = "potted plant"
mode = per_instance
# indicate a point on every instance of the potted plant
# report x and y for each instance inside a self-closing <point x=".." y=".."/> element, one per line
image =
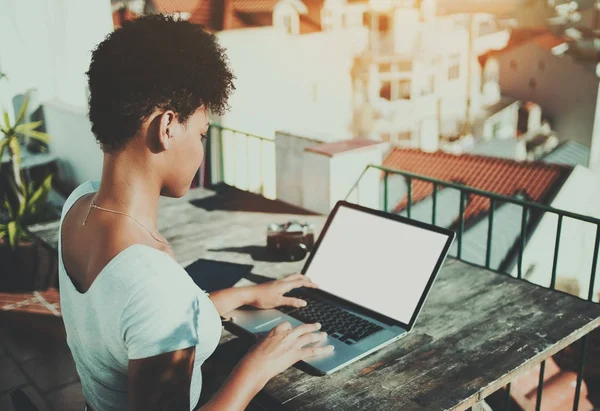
<point x="24" y="261"/>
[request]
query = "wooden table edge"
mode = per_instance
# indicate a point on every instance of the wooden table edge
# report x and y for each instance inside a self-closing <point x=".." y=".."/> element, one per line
<point x="486" y="391"/>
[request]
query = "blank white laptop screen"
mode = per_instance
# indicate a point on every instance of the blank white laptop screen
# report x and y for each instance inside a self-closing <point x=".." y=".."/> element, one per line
<point x="378" y="263"/>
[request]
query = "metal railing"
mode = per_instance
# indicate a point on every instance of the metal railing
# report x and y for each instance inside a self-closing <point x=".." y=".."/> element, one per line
<point x="528" y="208"/>
<point x="227" y="165"/>
<point x="231" y="160"/>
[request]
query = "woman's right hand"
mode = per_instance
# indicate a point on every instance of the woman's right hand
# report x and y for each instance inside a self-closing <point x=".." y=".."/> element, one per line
<point x="283" y="346"/>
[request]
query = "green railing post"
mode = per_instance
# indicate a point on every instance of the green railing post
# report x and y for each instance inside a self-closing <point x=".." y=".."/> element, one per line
<point x="540" y="387"/>
<point x="221" y="160"/>
<point x="235" y="170"/>
<point x="247" y="162"/>
<point x="358" y="181"/>
<point x="434" y="211"/>
<point x="409" y="205"/>
<point x="385" y="192"/>
<point x="584" y="349"/>
<point x="556" y="245"/>
<point x="508" y="397"/>
<point x="522" y="241"/>
<point x="461" y="227"/>
<point x="260" y="162"/>
<point x="552" y="286"/>
<point x="488" y="250"/>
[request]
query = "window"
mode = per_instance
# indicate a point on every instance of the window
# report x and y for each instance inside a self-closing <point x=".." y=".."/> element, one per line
<point x="404" y="89"/>
<point x="384" y="22"/>
<point x="532" y="84"/>
<point x="496" y="129"/>
<point x="367" y="19"/>
<point x="396" y="90"/>
<point x="404" y="136"/>
<point x="385" y="67"/>
<point x="385" y="91"/>
<point x="454" y="67"/>
<point x="513" y="64"/>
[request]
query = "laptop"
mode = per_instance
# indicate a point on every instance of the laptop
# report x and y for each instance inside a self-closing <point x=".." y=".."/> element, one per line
<point x="374" y="271"/>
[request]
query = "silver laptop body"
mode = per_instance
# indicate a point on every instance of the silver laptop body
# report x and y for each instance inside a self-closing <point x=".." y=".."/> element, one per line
<point x="374" y="270"/>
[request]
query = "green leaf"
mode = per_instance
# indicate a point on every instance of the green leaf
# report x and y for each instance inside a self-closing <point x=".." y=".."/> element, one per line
<point x="12" y="233"/>
<point x="40" y="136"/>
<point x="9" y="209"/>
<point x="30" y="188"/>
<point x="19" y="192"/>
<point x="24" y="128"/>
<point x="6" y="121"/>
<point x="22" y="111"/>
<point x="3" y="145"/>
<point x="15" y="151"/>
<point x="40" y="194"/>
<point x="22" y="207"/>
<point x="3" y="231"/>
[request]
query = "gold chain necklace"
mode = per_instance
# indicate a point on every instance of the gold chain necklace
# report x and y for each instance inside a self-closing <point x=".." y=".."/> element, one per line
<point x="93" y="204"/>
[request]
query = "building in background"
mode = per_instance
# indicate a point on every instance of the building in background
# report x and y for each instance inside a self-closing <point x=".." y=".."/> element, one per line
<point x="549" y="69"/>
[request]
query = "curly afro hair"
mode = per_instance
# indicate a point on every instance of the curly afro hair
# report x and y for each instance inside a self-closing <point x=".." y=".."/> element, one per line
<point x="154" y="62"/>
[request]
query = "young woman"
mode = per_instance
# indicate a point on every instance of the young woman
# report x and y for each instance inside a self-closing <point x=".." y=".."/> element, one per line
<point x="138" y="327"/>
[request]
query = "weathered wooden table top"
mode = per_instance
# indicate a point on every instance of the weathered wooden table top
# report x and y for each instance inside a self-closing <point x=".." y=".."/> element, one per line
<point x="477" y="330"/>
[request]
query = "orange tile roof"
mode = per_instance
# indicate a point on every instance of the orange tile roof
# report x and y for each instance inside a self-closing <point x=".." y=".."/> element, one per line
<point x="209" y="13"/>
<point x="254" y="6"/>
<point x="175" y="6"/>
<point x="258" y="13"/>
<point x="502" y="176"/>
<point x="121" y="16"/>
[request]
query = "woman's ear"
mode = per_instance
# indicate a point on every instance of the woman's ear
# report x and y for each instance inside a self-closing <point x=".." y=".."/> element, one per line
<point x="165" y="129"/>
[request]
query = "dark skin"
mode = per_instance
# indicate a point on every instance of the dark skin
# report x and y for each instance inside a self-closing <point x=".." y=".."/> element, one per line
<point x="162" y="159"/>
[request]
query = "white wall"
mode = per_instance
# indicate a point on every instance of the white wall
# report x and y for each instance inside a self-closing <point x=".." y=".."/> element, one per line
<point x="298" y="83"/>
<point x="328" y="179"/>
<point x="289" y="164"/>
<point x="580" y="194"/>
<point x="347" y="168"/>
<point x="80" y="157"/>
<point x="507" y="119"/>
<point x="46" y="44"/>
<point x="594" y="163"/>
<point x="316" y="176"/>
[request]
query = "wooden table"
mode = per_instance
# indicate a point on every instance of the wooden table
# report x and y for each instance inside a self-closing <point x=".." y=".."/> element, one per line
<point x="477" y="331"/>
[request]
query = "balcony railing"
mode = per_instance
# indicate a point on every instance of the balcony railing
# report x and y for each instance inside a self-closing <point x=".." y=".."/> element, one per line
<point x="530" y="212"/>
<point x="239" y="159"/>
<point x="247" y="161"/>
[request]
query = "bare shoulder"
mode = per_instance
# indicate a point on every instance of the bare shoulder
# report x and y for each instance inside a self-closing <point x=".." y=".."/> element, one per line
<point x="88" y="248"/>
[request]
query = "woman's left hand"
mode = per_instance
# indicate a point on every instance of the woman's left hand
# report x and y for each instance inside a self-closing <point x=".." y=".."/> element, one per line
<point x="271" y="294"/>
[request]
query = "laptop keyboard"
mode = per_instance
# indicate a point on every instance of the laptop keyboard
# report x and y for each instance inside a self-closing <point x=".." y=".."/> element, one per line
<point x="338" y="323"/>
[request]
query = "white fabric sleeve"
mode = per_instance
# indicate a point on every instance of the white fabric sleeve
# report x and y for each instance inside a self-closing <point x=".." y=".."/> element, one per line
<point x="161" y="314"/>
